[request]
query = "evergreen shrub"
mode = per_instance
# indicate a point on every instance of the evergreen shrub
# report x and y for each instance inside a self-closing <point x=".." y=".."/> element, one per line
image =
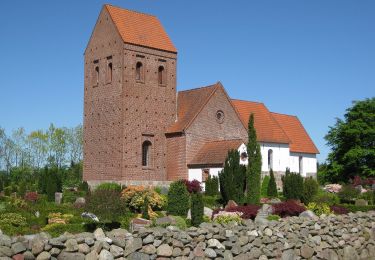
<point x="292" y="185"/>
<point x="212" y="186"/>
<point x="272" y="188"/>
<point x="310" y="189"/>
<point x="264" y="188"/>
<point x="196" y="209"/>
<point x="178" y="199"/>
<point x="109" y="186"/>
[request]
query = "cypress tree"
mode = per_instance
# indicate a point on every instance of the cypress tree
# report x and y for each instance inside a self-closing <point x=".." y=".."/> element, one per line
<point x="212" y="186"/>
<point x="178" y="199"/>
<point x="264" y="187"/>
<point x="254" y="166"/>
<point x="272" y="189"/>
<point x="232" y="178"/>
<point x="197" y="209"/>
<point x="145" y="209"/>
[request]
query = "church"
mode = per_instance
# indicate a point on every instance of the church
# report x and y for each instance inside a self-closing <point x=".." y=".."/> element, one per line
<point x="139" y="130"/>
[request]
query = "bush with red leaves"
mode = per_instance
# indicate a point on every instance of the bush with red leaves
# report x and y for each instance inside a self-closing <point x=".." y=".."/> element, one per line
<point x="248" y="212"/>
<point x="288" y="208"/>
<point x="193" y="186"/>
<point x="31" y="196"/>
<point x="339" y="210"/>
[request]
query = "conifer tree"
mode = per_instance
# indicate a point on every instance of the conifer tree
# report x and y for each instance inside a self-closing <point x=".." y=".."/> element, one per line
<point x="254" y="166"/>
<point x="197" y="209"/>
<point x="232" y="178"/>
<point x="272" y="189"/>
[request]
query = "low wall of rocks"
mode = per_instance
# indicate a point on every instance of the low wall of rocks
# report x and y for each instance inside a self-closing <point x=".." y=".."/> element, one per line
<point x="347" y="237"/>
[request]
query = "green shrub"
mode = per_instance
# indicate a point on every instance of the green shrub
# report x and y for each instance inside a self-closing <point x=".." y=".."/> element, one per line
<point x="292" y="185"/>
<point x="264" y="187"/>
<point x="212" y="186"/>
<point x="71" y="196"/>
<point x="196" y="209"/>
<point x="84" y="186"/>
<point x="109" y="186"/>
<point x="211" y="202"/>
<point x="180" y="222"/>
<point x="224" y="217"/>
<point x="178" y="199"/>
<point x="369" y="196"/>
<point x="126" y="219"/>
<point x="319" y="208"/>
<point x="273" y="217"/>
<point x="326" y="197"/>
<point x="12" y="223"/>
<point x="145" y="209"/>
<point x="310" y="189"/>
<point x="354" y="208"/>
<point x="348" y="194"/>
<point x="272" y="188"/>
<point x="57" y="229"/>
<point x="106" y="204"/>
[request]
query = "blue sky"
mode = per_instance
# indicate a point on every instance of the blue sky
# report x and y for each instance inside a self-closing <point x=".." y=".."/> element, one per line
<point x="305" y="58"/>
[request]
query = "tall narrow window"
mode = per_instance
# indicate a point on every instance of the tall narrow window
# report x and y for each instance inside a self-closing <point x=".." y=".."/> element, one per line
<point x="161" y="76"/>
<point x="300" y="164"/>
<point x="270" y="159"/>
<point x="146" y="153"/>
<point x="109" y="72"/>
<point x="96" y="80"/>
<point x="139" y="71"/>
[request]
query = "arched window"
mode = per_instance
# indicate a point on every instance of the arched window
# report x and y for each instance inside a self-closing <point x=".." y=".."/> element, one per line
<point x="109" y="72"/>
<point x="161" y="76"/>
<point x="96" y="80"/>
<point x="139" y="71"/>
<point x="146" y="153"/>
<point x="300" y="164"/>
<point x="270" y="159"/>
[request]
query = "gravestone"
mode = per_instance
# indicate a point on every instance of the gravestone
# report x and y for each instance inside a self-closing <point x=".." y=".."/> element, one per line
<point x="58" y="197"/>
<point x="139" y="223"/>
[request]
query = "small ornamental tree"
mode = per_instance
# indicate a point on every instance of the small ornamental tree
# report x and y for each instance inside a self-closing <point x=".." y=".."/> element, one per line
<point x="292" y="185"/>
<point x="272" y="188"/>
<point x="212" y="186"/>
<point x="232" y="178"/>
<point x="178" y="199"/>
<point x="254" y="166"/>
<point x="264" y="188"/>
<point x="197" y="209"/>
<point x="310" y="189"/>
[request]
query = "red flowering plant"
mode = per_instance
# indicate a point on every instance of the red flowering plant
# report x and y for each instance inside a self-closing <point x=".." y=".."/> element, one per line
<point x="193" y="186"/>
<point x="339" y="210"/>
<point x="31" y="196"/>
<point x="288" y="208"/>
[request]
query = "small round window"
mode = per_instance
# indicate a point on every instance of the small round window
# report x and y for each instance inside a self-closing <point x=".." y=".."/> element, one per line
<point x="220" y="116"/>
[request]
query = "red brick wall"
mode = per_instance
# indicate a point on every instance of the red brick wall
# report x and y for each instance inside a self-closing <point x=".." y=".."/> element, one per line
<point x="176" y="157"/>
<point x="206" y="128"/>
<point x="102" y="104"/>
<point x="120" y="115"/>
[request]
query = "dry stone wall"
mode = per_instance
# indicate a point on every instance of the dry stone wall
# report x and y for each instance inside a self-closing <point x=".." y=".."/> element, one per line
<point x="348" y="237"/>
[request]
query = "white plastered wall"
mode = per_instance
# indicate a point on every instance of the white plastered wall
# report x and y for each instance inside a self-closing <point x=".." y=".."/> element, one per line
<point x="280" y="154"/>
<point x="309" y="167"/>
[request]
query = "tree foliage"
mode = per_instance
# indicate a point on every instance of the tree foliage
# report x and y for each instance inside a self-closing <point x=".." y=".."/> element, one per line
<point x="254" y="165"/>
<point x="232" y="178"/>
<point x="272" y="188"/>
<point x="352" y="142"/>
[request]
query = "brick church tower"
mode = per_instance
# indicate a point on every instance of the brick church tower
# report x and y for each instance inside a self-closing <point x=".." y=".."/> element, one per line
<point x="129" y="98"/>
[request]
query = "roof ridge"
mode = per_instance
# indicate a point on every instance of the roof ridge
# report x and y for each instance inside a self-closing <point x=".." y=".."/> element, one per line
<point x="227" y="140"/>
<point x="198" y="88"/>
<point x="258" y="102"/>
<point x="126" y="9"/>
<point x="282" y="114"/>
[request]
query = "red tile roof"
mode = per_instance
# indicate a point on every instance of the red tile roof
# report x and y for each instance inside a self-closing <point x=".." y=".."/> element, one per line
<point x="215" y="152"/>
<point x="268" y="130"/>
<point x="189" y="104"/>
<point x="300" y="139"/>
<point x="140" y="29"/>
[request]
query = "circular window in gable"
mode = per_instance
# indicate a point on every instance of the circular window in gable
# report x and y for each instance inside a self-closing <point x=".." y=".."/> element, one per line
<point x="220" y="116"/>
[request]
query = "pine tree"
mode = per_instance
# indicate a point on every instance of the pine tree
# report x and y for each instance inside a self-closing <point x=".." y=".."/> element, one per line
<point x="272" y="188"/>
<point x="232" y="178"/>
<point x="254" y="166"/>
<point x="197" y="209"/>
